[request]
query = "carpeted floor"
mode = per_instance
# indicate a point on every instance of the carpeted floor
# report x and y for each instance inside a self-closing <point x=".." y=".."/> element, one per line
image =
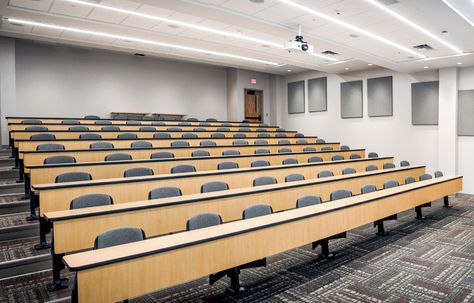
<point x="12" y="198"/>
<point x="419" y="261"/>
<point x="16" y="219"/>
<point x="21" y="248"/>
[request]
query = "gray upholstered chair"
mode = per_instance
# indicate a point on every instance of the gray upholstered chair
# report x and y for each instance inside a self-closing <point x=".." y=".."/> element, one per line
<point x="162" y="155"/>
<point x="90" y="136"/>
<point x="141" y="144"/>
<point x="49" y="146"/>
<point x="183" y="168"/>
<point x="244" y="124"/>
<point x="227" y="165"/>
<point x="326" y="148"/>
<point x="214" y="186"/>
<point x="244" y="129"/>
<point x="91" y="200"/>
<point x="110" y="128"/>
<point x="340" y="194"/>
<point x="31" y="121"/>
<point x="226" y="124"/>
<point x="301" y="141"/>
<point x="240" y="142"/>
<point x="36" y="128"/>
<point x="438" y="174"/>
<point x="315" y="159"/>
<point x="257" y="210"/>
<point x="368" y="188"/>
<point x="230" y="152"/>
<point x="373" y="155"/>
<point x="191" y="119"/>
<point x="134" y="123"/>
<point x="70" y="122"/>
<point x="354" y="156"/>
<point x="388" y="165"/>
<point x="299" y="135"/>
<point x="280" y="129"/>
<point x="164" y="192"/>
<point x="203" y="220"/>
<point x="119" y="236"/>
<point x="348" y="171"/>
<point x="180" y="144"/>
<point x="263" y="135"/>
<point x="320" y="141"/>
<point x="425" y="177"/>
<point x="211" y="120"/>
<point x="200" y="153"/>
<point x="294" y="177"/>
<point x="42" y="137"/>
<point x="239" y="136"/>
<point x="260" y="130"/>
<point x="147" y="129"/>
<point x="260" y="163"/>
<point x="260" y="142"/>
<point x="404" y="163"/>
<point x="345" y="147"/>
<point x="337" y="158"/>
<point x="158" y="123"/>
<point x="161" y="136"/>
<point x="283" y="142"/>
<point x="103" y="122"/>
<point x="73" y="177"/>
<point x="222" y="129"/>
<point x="189" y="136"/>
<point x="118" y="157"/>
<point x="325" y="174"/>
<point x="265" y="180"/>
<point x="59" y="159"/>
<point x="199" y="129"/>
<point x="127" y="136"/>
<point x="284" y="150"/>
<point x="390" y="184"/>
<point x="217" y="136"/>
<point x="138" y="172"/>
<point x="260" y="151"/>
<point x="409" y="180"/>
<point x="309" y="149"/>
<point x="91" y="117"/>
<point x="184" y="124"/>
<point x="308" y="200"/>
<point x="174" y="129"/>
<point x="371" y="167"/>
<point x="78" y="128"/>
<point x="289" y="161"/>
<point x="280" y="135"/>
<point x="207" y="143"/>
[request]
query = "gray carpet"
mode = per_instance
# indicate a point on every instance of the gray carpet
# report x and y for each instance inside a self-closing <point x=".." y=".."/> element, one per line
<point x="419" y="261"/>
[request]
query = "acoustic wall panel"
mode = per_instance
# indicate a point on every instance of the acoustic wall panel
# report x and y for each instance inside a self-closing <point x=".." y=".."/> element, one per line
<point x="351" y="99"/>
<point x="296" y="97"/>
<point x="425" y="103"/>
<point x="317" y="95"/>
<point x="380" y="97"/>
<point x="466" y="113"/>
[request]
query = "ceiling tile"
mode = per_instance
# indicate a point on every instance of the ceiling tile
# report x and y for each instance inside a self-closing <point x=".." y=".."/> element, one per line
<point x="139" y="22"/>
<point x="17" y="28"/>
<point x="186" y="18"/>
<point x="248" y="7"/>
<point x="74" y="36"/>
<point x="39" y="5"/>
<point x="70" y="9"/>
<point x="278" y="13"/>
<point x="108" y="16"/>
<point x="46" y="32"/>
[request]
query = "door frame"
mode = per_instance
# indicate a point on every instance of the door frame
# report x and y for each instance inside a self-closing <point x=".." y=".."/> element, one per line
<point x="262" y="116"/>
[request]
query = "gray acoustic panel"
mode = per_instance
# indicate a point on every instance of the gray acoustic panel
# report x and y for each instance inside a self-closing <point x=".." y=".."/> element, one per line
<point x="466" y="113"/>
<point x="351" y="99"/>
<point x="380" y="97"/>
<point x="317" y="95"/>
<point x="425" y="103"/>
<point x="296" y="97"/>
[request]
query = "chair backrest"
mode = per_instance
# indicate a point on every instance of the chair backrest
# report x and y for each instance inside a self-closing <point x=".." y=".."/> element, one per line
<point x="340" y="194"/>
<point x="162" y="155"/>
<point x="261" y="130"/>
<point x="320" y="141"/>
<point x="59" y="159"/>
<point x="183" y="168"/>
<point x="101" y="145"/>
<point x="325" y="174"/>
<point x="164" y="192"/>
<point x="222" y="129"/>
<point x="438" y="174"/>
<point x="257" y="210"/>
<point x="404" y="163"/>
<point x="91" y="117"/>
<point x="260" y="142"/>
<point x="161" y="136"/>
<point x="388" y="165"/>
<point x="110" y="128"/>
<point x="138" y="172"/>
<point x="91" y="200"/>
<point x="189" y="136"/>
<point x="308" y="200"/>
<point x="141" y="144"/>
<point x="42" y="137"/>
<point x="184" y="123"/>
<point x="70" y="122"/>
<point x="284" y="150"/>
<point x="73" y="177"/>
<point x="294" y="177"/>
<point x="118" y="157"/>
<point x="301" y="141"/>
<point x="327" y="148"/>
<point x="180" y="144"/>
<point x="148" y="118"/>
<point x="203" y="220"/>
<point x="36" y="128"/>
<point x="390" y="184"/>
<point x="373" y="155"/>
<point x="263" y="135"/>
<point x="239" y="136"/>
<point x="280" y="129"/>
<point x="283" y="142"/>
<point x="207" y="143"/>
<point x="217" y="135"/>
<point x="158" y="123"/>
<point x="78" y="128"/>
<point x="371" y="167"/>
<point x="348" y="170"/>
<point x="31" y="121"/>
<point x="90" y="136"/>
<point x="227" y="165"/>
<point x="289" y="161"/>
<point x="425" y="177"/>
<point x="240" y="142"/>
<point x="119" y="236"/>
<point x="192" y="119"/>
<point x="260" y="163"/>
<point x="174" y="129"/>
<point x="134" y="123"/>
<point x="200" y="153"/>
<point x="226" y="124"/>
<point x="211" y="120"/>
<point x="354" y="156"/>
<point x="103" y="122"/>
<point x="409" y="180"/>
<point x="49" y="146"/>
<point x="278" y="135"/>
<point x="230" y="152"/>
<point x="261" y="151"/>
<point x="127" y="136"/>
<point x="147" y="129"/>
<point x="309" y="149"/>
<point x="244" y="129"/>
<point x="315" y="159"/>
<point x="199" y="129"/>
<point x="369" y="188"/>
<point x="337" y="158"/>
<point x="214" y="186"/>
<point x="204" y="124"/>
<point x="244" y="124"/>
<point x="265" y="180"/>
<point x="299" y="135"/>
<point x="344" y="147"/>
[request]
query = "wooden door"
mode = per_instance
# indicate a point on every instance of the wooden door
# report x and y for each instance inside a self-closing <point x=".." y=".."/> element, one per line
<point x="253" y="105"/>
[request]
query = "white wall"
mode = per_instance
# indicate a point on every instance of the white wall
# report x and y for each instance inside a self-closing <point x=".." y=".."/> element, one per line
<point x="7" y="84"/>
<point x="388" y="136"/>
<point x="65" y="81"/>
<point x="465" y="161"/>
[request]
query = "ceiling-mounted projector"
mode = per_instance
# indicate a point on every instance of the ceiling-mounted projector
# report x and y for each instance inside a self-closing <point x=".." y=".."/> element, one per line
<point x="298" y="44"/>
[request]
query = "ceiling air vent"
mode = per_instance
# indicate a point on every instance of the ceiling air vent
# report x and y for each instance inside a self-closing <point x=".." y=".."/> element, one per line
<point x="328" y="52"/>
<point x="423" y="47"/>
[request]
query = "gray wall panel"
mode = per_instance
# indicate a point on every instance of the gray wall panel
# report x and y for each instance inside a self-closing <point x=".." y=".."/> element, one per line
<point x="317" y="95"/>
<point x="466" y="113"/>
<point x="425" y="103"/>
<point x="351" y="99"/>
<point x="296" y="97"/>
<point x="380" y="97"/>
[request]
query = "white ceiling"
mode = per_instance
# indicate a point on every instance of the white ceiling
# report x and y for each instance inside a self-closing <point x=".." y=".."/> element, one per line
<point x="273" y="21"/>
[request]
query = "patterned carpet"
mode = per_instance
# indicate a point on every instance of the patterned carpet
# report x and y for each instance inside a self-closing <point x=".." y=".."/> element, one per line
<point x="15" y="220"/>
<point x="12" y="198"/>
<point x="22" y="248"/>
<point x="419" y="261"/>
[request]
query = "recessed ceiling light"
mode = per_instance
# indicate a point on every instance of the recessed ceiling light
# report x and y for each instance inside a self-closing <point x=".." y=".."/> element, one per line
<point x="354" y="36"/>
<point x="140" y="40"/>
<point x="257" y="1"/>
<point x="370" y="64"/>
<point x="459" y="63"/>
<point x="289" y="70"/>
<point x="347" y="68"/>
<point x="426" y="67"/>
<point x="414" y="25"/>
<point x="265" y="45"/>
<point x="351" y="27"/>
<point x="173" y="26"/>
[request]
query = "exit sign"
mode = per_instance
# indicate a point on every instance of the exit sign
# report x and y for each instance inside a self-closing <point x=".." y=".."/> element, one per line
<point x="253" y="81"/>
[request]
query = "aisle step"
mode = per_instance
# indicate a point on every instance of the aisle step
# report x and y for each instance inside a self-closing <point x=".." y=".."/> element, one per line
<point x="11" y="187"/>
<point x="15" y="226"/>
